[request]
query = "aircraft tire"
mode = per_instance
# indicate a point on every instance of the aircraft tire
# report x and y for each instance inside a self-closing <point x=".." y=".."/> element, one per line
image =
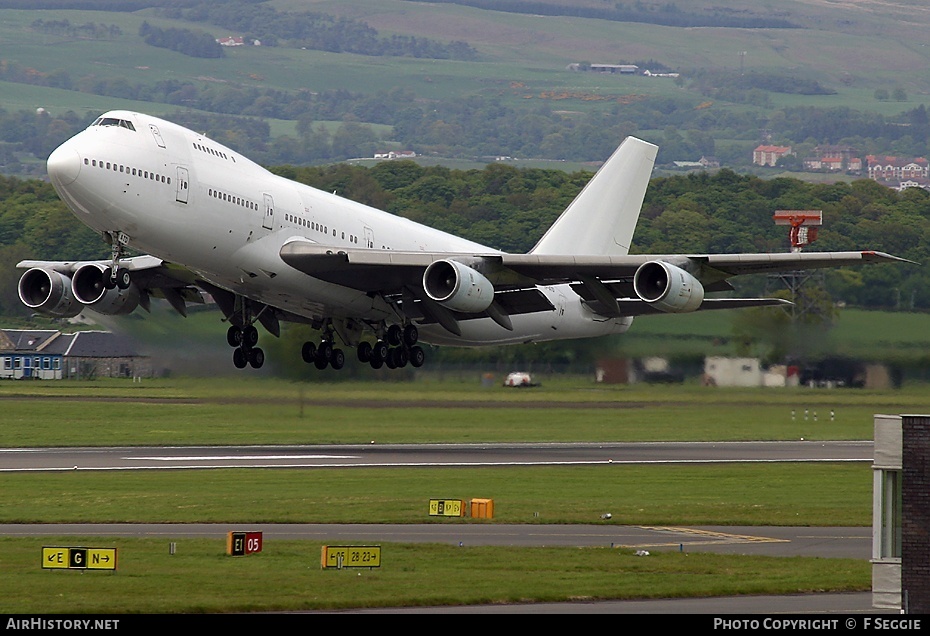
<point x="394" y="335"/>
<point x="233" y="336"/>
<point x="308" y="352"/>
<point x="380" y="351"/>
<point x="320" y="362"/>
<point x="417" y="356"/>
<point x="256" y="358"/>
<point x="363" y="351"/>
<point x="338" y="359"/>
<point x="123" y="278"/>
<point x="239" y="358"/>
<point x="411" y="335"/>
<point x="250" y="336"/>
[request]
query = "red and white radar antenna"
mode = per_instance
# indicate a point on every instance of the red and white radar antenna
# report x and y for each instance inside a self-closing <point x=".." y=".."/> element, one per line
<point x="804" y="224"/>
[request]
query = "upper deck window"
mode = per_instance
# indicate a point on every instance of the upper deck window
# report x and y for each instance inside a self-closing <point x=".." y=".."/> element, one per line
<point x="113" y="121"/>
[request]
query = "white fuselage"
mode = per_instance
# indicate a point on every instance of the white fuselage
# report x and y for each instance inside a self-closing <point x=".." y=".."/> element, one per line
<point x="189" y="200"/>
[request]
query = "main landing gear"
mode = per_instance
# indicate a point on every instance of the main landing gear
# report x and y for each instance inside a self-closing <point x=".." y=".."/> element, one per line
<point x="244" y="340"/>
<point x="396" y="349"/>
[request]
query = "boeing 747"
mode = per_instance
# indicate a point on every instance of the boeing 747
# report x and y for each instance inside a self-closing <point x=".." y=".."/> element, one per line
<point x="269" y="250"/>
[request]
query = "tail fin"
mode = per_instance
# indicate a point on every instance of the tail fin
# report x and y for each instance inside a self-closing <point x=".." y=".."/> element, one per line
<point x="602" y="218"/>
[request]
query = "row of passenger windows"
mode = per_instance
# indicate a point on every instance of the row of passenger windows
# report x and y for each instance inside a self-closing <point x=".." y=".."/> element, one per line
<point x="223" y="196"/>
<point x="135" y="172"/>
<point x="211" y="151"/>
<point x="317" y="227"/>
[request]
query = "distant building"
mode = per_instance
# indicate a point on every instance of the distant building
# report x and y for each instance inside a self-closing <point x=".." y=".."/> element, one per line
<point x="624" y="69"/>
<point x="768" y="155"/>
<point x="894" y="170"/>
<point x="230" y="41"/>
<point x="52" y="355"/>
<point x="396" y="154"/>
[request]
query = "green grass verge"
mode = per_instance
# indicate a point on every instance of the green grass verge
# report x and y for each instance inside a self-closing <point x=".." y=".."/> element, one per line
<point x="247" y="410"/>
<point x="717" y="494"/>
<point x="287" y="575"/>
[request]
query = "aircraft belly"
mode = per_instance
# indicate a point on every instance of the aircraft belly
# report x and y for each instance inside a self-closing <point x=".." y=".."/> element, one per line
<point x="569" y="320"/>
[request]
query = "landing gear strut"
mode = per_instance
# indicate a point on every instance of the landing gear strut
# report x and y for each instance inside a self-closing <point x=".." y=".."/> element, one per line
<point x="119" y="276"/>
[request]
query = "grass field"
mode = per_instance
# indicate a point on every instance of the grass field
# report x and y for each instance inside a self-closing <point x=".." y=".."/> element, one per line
<point x="286" y="576"/>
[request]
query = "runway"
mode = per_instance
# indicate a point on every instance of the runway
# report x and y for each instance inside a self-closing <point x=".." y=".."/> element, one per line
<point x="418" y="455"/>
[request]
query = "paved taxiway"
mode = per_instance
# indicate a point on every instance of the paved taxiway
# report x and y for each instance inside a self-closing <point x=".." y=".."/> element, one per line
<point x="771" y="541"/>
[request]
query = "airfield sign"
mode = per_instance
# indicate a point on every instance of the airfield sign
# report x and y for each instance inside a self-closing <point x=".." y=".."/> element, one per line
<point x="58" y="558"/>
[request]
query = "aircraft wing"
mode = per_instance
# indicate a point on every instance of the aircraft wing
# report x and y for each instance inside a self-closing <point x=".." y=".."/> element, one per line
<point x="380" y="270"/>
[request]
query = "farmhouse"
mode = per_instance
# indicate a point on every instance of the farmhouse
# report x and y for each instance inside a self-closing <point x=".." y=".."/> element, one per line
<point x="52" y="355"/>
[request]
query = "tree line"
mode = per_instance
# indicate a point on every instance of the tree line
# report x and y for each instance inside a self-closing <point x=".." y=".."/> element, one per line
<point x="313" y="30"/>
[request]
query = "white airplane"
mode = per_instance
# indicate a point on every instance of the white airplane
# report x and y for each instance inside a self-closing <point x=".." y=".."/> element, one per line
<point x="269" y="250"/>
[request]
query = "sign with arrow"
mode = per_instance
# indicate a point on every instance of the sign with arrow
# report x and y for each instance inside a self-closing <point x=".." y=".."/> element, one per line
<point x="57" y="558"/>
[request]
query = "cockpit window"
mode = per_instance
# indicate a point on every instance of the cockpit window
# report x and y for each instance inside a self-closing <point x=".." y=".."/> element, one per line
<point x="113" y="121"/>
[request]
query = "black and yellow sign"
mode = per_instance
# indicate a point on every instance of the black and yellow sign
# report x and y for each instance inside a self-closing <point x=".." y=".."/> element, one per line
<point x="79" y="558"/>
<point x="351" y="556"/>
<point x="446" y="508"/>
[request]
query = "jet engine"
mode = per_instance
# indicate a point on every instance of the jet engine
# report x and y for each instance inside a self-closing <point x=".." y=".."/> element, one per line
<point x="667" y="287"/>
<point x="88" y="287"/>
<point x="457" y="286"/>
<point x="48" y="292"/>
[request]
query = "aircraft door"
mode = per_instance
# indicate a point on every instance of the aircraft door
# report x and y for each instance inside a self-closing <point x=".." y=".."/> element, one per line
<point x="369" y="237"/>
<point x="268" y="204"/>
<point x="183" y="185"/>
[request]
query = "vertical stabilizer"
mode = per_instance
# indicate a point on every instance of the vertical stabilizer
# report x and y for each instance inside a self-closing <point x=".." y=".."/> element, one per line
<point x="602" y="218"/>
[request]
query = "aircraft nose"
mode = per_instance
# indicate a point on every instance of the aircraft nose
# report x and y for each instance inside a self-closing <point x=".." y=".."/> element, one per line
<point x="63" y="165"/>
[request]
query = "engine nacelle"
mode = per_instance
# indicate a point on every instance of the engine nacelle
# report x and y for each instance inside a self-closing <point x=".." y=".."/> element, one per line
<point x="457" y="286"/>
<point x="88" y="287"/>
<point x="48" y="292"/>
<point x="667" y="287"/>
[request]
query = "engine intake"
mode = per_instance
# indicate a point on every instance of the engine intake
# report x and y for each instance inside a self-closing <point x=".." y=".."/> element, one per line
<point x="667" y="287"/>
<point x="88" y="287"/>
<point x="457" y="286"/>
<point x="48" y="292"/>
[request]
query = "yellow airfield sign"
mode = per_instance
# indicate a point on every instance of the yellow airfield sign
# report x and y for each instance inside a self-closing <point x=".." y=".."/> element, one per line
<point x="351" y="556"/>
<point x="58" y="558"/>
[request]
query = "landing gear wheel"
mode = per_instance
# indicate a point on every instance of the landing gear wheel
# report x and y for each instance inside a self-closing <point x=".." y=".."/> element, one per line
<point x="240" y="359"/>
<point x="417" y="356"/>
<point x="234" y="336"/>
<point x="108" y="281"/>
<point x="363" y="351"/>
<point x="379" y="351"/>
<point x="411" y="335"/>
<point x="376" y="362"/>
<point x="399" y="357"/>
<point x="325" y="351"/>
<point x="256" y="358"/>
<point x="338" y="359"/>
<point x="320" y="362"/>
<point x="394" y="335"/>
<point x="250" y="336"/>
<point x="308" y="352"/>
<point x="123" y="278"/>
